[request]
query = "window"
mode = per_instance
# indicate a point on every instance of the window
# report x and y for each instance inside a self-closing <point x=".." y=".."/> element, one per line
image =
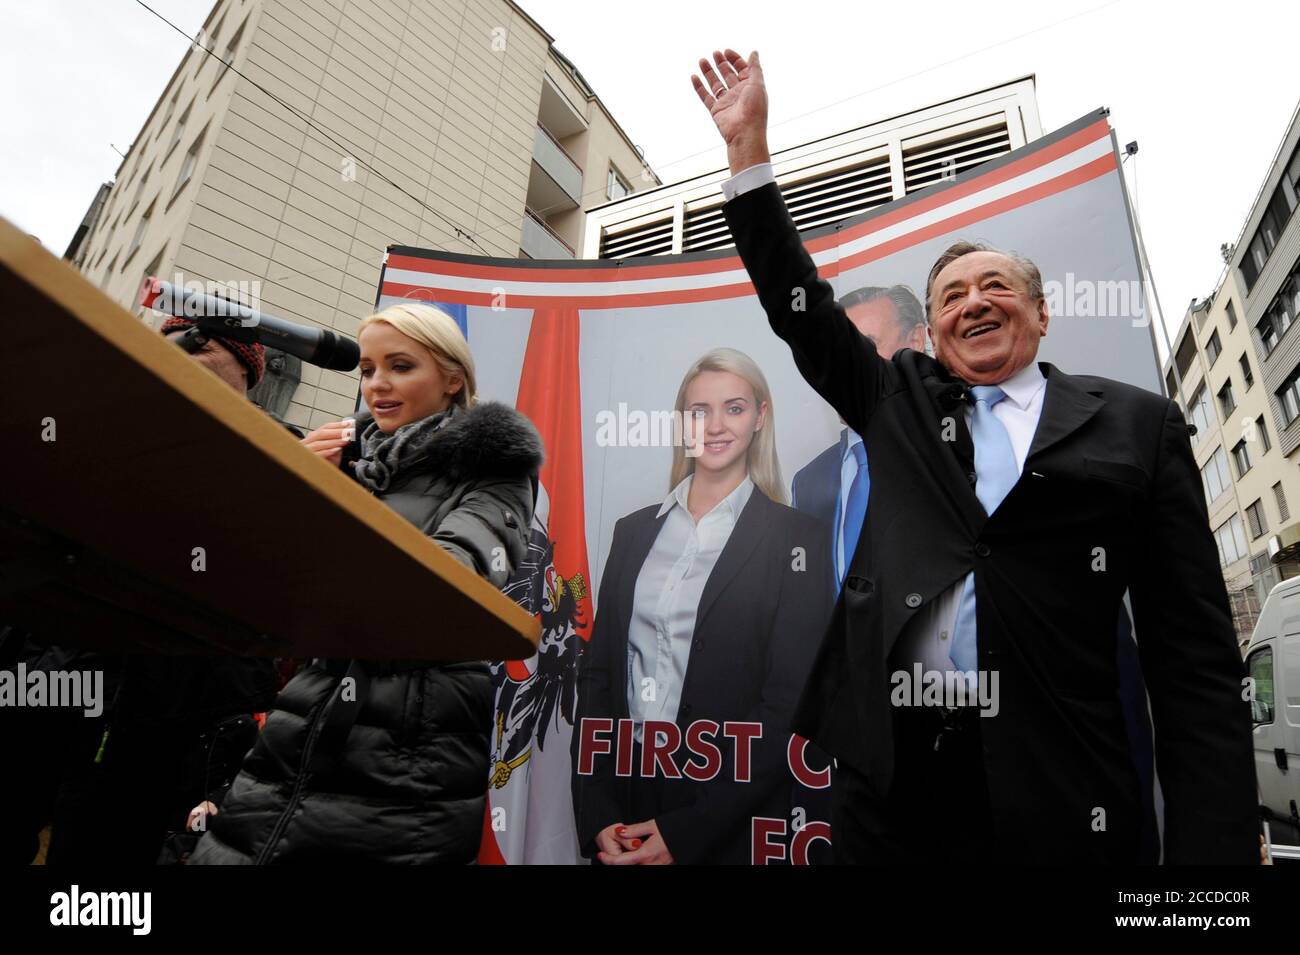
<point x="617" y="186"/>
<point x="1231" y="538"/>
<point x="1283" y="512"/>
<point x="1272" y="223"/>
<point x="108" y="273"/>
<point x="1227" y="401"/>
<point x="1213" y="348"/>
<point x="139" y="233"/>
<point x="1214" y="475"/>
<point x="139" y="190"/>
<point x="228" y="55"/>
<point x="1241" y="457"/>
<point x="187" y="167"/>
<point x="1288" y="396"/>
<point x="208" y="41"/>
<point x="1281" y="312"/>
<point x="167" y="117"/>
<point x="1263" y="434"/>
<point x="1255" y="518"/>
<point x="1260" y="667"/>
<point x="1200" y="414"/>
<point x="180" y="130"/>
<point x="1232" y="316"/>
<point x="1246" y="373"/>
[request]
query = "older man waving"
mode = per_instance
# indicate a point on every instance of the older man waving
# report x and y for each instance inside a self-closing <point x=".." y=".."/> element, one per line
<point x="1011" y="507"/>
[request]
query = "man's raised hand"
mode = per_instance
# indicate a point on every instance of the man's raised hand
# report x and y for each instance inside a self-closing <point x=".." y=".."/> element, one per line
<point x="736" y="97"/>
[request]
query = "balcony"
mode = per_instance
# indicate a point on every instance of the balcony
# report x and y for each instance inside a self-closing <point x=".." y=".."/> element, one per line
<point x="556" y="179"/>
<point x="539" y="241"/>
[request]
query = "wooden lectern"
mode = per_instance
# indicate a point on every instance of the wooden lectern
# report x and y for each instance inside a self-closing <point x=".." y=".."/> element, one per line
<point x="128" y="466"/>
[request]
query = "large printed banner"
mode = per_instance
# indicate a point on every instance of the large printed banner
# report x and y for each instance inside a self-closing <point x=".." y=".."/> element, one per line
<point x="645" y="375"/>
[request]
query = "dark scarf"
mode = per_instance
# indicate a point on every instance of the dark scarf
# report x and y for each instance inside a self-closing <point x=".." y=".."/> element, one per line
<point x="384" y="456"/>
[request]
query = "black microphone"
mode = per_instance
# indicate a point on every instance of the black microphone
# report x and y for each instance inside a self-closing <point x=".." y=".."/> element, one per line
<point x="226" y="319"/>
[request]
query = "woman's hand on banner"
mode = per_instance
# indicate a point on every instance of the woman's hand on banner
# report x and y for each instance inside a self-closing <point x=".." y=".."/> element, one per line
<point x="653" y="850"/>
<point x="329" y="440"/>
<point x="736" y="97"/>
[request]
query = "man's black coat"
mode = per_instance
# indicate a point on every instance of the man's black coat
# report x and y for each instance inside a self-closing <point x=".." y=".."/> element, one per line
<point x="1109" y="500"/>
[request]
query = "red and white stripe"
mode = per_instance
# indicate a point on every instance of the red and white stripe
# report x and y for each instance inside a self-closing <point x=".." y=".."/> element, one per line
<point x="1080" y="157"/>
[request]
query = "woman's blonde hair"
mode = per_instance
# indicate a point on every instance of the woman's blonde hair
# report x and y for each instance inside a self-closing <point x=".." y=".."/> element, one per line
<point x="438" y="332"/>
<point x="761" y="460"/>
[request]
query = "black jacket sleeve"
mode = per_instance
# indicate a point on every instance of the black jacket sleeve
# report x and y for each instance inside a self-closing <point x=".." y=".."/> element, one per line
<point x="595" y="799"/>
<point x="839" y="362"/>
<point x="1193" y="670"/>
<point x="488" y="530"/>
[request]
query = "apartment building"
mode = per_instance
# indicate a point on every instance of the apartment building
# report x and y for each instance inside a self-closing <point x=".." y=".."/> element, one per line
<point x="1236" y="368"/>
<point x="298" y="139"/>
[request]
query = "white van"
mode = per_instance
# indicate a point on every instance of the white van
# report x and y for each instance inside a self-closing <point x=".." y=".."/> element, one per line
<point x="1273" y="662"/>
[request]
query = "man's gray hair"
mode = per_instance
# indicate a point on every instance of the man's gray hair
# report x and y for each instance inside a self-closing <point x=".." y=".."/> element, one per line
<point x="1033" y="278"/>
<point x="907" y="307"/>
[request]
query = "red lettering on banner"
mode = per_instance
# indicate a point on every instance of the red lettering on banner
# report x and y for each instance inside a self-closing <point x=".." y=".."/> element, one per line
<point x="624" y="765"/>
<point x="656" y="755"/>
<point x="762" y="850"/>
<point x="744" y="734"/>
<point x="589" y="747"/>
<point x="698" y="746"/>
<point x="796" y="756"/>
<point x="805" y="838"/>
<point x="661" y="740"/>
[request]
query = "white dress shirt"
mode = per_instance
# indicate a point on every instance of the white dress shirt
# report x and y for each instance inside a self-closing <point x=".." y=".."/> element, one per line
<point x="927" y="636"/>
<point x="667" y="596"/>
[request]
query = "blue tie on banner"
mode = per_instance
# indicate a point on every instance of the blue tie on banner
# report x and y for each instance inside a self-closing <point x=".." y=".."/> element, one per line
<point x="855" y="511"/>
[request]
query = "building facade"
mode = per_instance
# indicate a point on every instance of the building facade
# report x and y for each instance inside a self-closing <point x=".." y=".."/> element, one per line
<point x="831" y="179"/>
<point x="298" y="139"/>
<point x="1235" y="366"/>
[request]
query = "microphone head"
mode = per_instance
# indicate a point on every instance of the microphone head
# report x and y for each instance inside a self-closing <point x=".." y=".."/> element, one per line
<point x="337" y="352"/>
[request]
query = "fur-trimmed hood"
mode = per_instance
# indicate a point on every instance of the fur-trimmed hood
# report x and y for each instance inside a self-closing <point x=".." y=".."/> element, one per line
<point x="490" y="439"/>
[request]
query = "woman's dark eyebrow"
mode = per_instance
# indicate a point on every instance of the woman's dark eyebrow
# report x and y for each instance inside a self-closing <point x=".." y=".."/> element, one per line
<point x="728" y="401"/>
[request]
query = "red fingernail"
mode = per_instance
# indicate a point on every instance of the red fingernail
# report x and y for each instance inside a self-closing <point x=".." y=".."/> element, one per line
<point x="636" y="843"/>
<point x="619" y="829"/>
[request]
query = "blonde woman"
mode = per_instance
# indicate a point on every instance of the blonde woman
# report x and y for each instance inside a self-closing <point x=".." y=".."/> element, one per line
<point x="710" y="609"/>
<point x="400" y="777"/>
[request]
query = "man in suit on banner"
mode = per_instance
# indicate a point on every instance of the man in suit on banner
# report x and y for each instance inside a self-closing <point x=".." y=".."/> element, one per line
<point x="1012" y="506"/>
<point x="834" y="485"/>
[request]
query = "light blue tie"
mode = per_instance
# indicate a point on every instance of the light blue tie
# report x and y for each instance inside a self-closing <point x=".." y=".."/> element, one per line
<point x="855" y="510"/>
<point x="996" y="474"/>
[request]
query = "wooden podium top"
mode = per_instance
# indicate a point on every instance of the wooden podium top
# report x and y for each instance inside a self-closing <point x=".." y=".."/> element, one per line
<point x="152" y="457"/>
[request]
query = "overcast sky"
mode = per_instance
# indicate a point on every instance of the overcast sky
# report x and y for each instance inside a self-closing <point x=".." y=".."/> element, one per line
<point x="1206" y="89"/>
